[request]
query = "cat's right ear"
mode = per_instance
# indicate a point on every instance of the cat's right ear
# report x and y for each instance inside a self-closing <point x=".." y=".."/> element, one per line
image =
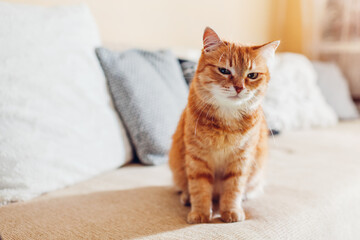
<point x="210" y="40"/>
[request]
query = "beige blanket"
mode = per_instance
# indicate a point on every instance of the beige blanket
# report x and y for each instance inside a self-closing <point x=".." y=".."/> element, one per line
<point x="313" y="192"/>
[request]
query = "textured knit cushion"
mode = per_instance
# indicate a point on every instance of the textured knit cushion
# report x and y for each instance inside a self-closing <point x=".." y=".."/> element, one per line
<point x="57" y="126"/>
<point x="335" y="89"/>
<point x="149" y="93"/>
<point x="188" y="68"/>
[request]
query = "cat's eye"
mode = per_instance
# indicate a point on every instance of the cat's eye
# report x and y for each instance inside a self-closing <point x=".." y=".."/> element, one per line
<point x="253" y="75"/>
<point x="224" y="71"/>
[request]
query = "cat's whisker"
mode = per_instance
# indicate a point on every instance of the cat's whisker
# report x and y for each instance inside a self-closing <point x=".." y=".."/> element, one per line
<point x="221" y="57"/>
<point x="208" y="111"/>
<point x="272" y="136"/>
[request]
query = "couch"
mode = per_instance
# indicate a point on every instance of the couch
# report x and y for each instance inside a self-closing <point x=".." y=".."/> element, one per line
<point x="312" y="192"/>
<point x="59" y="128"/>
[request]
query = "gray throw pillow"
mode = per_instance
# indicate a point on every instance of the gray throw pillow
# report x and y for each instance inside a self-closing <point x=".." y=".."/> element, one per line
<point x="150" y="93"/>
<point x="335" y="89"/>
<point x="188" y="68"/>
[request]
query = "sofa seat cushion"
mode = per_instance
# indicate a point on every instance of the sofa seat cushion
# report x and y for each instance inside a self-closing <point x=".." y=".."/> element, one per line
<point x="312" y="192"/>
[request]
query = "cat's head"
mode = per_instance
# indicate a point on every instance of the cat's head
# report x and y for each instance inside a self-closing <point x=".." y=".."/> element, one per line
<point x="233" y="75"/>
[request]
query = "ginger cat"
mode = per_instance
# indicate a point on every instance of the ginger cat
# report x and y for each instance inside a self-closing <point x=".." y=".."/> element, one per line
<point x="220" y="145"/>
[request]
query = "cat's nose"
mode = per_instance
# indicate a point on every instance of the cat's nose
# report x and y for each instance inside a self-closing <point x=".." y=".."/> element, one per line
<point x="238" y="89"/>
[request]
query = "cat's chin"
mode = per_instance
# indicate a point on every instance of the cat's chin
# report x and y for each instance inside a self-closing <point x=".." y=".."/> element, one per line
<point x="235" y="98"/>
<point x="232" y="101"/>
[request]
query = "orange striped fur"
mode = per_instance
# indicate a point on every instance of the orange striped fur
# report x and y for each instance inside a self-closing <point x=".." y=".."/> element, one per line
<point x="220" y="145"/>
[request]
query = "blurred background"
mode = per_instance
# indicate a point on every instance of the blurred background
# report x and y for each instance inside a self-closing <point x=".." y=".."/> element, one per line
<point x="321" y="29"/>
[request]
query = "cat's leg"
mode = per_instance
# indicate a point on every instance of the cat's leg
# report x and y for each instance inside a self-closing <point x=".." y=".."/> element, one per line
<point x="185" y="198"/>
<point x="177" y="162"/>
<point x="233" y="189"/>
<point x="200" y="180"/>
<point x="181" y="182"/>
<point x="255" y="185"/>
<point x="177" y="166"/>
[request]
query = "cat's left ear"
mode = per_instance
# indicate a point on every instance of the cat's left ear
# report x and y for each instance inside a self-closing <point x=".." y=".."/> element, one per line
<point x="267" y="50"/>
<point x="210" y="40"/>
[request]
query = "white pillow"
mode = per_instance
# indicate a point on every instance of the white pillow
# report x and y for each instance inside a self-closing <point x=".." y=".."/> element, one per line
<point x="294" y="100"/>
<point x="335" y="89"/>
<point x="57" y="123"/>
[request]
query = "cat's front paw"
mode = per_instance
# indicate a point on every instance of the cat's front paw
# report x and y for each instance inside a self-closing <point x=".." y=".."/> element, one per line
<point x="198" y="217"/>
<point x="237" y="215"/>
